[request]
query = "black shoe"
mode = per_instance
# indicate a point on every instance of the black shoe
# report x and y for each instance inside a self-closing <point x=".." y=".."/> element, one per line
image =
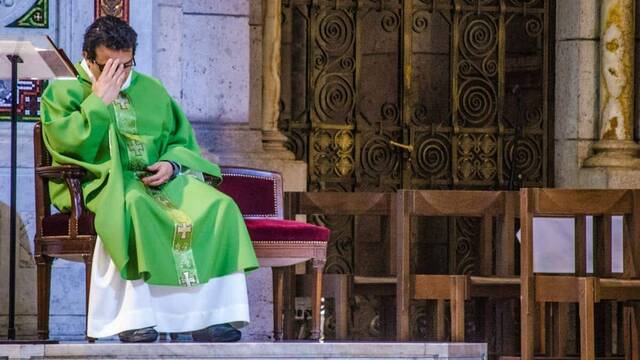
<point x="217" y="333"/>
<point x="148" y="334"/>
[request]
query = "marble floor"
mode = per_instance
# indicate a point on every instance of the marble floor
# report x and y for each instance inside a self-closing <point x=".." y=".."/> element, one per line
<point x="242" y="350"/>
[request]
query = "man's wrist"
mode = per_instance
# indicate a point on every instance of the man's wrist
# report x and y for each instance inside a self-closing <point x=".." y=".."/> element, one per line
<point x="176" y="168"/>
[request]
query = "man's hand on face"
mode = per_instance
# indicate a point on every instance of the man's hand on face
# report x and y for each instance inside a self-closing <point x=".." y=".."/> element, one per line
<point x="108" y="85"/>
<point x="163" y="171"/>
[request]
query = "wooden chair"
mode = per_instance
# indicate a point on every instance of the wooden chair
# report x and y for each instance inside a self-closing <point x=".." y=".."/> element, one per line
<point x="63" y="235"/>
<point x="340" y="287"/>
<point x="493" y="280"/>
<point x="580" y="287"/>
<point x="278" y="243"/>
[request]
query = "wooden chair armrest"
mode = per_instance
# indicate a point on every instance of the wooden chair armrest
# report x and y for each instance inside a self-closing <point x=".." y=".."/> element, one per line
<point x="72" y="175"/>
<point x="61" y="172"/>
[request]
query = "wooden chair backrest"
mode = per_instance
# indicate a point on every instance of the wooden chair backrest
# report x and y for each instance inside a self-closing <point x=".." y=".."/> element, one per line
<point x="502" y="205"/>
<point x="41" y="158"/>
<point x="258" y="193"/>
<point x="578" y="204"/>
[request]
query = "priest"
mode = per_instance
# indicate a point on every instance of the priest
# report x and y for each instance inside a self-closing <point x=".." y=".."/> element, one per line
<point x="172" y="251"/>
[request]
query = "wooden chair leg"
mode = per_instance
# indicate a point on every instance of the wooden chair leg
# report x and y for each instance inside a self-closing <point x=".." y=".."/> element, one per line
<point x="43" y="264"/>
<point x="587" y="322"/>
<point x="543" y="327"/>
<point x="87" y="276"/>
<point x="401" y="234"/>
<point x="342" y="312"/>
<point x="631" y="338"/>
<point x="289" y="292"/>
<point x="489" y="322"/>
<point x="635" y="327"/>
<point x="278" y="299"/>
<point x="441" y="328"/>
<point x="527" y="279"/>
<point x="560" y="322"/>
<point x="505" y="320"/>
<point x="457" y="288"/>
<point x="316" y="298"/>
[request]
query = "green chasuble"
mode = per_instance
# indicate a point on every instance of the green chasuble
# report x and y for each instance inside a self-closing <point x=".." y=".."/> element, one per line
<point x="184" y="232"/>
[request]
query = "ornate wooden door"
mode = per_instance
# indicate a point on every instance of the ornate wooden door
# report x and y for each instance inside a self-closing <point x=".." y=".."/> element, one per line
<point x="379" y="95"/>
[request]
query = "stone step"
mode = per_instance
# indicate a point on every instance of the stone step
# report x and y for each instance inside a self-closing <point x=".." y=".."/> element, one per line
<point x="248" y="350"/>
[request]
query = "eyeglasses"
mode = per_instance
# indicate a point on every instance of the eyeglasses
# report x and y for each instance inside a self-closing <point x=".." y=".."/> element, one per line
<point x="128" y="64"/>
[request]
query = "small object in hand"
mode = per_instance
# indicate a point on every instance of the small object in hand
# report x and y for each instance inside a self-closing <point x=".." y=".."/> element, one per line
<point x="143" y="173"/>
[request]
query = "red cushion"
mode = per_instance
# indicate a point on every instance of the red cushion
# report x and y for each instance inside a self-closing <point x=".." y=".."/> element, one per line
<point x="254" y="195"/>
<point x="58" y="224"/>
<point x="285" y="230"/>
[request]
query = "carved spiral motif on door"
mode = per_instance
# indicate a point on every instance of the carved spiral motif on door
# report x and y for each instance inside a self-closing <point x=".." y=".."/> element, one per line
<point x="334" y="101"/>
<point x="420" y="21"/>
<point x="335" y="35"/>
<point x="528" y="158"/>
<point x="533" y="27"/>
<point x="420" y="115"/>
<point x="433" y="155"/>
<point x="348" y="63"/>
<point x="477" y="102"/>
<point x="377" y="156"/>
<point x="479" y="37"/>
<point x="389" y="113"/>
<point x="390" y="21"/>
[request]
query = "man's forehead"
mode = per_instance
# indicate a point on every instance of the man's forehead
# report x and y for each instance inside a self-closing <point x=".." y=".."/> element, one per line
<point x="103" y="51"/>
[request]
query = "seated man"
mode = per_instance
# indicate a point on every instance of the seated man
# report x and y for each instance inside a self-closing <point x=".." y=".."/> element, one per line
<point x="171" y="250"/>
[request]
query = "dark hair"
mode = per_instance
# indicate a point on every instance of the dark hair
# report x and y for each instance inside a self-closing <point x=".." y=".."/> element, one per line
<point x="111" y="32"/>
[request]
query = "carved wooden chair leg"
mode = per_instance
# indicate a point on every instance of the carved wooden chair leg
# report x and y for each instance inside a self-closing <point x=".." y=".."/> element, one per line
<point x="44" y="292"/>
<point x="278" y="299"/>
<point x="87" y="259"/>
<point x="289" y="302"/>
<point x="458" y="296"/>
<point x="342" y="308"/>
<point x="316" y="298"/>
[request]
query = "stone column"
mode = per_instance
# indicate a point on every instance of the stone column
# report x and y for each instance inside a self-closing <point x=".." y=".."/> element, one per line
<point x="616" y="147"/>
<point x="273" y="140"/>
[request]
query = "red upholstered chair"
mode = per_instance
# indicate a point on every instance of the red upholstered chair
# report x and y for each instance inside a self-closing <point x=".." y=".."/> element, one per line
<point x="278" y="243"/>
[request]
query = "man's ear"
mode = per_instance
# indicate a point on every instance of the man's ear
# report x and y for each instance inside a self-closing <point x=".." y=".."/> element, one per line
<point x="85" y="55"/>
